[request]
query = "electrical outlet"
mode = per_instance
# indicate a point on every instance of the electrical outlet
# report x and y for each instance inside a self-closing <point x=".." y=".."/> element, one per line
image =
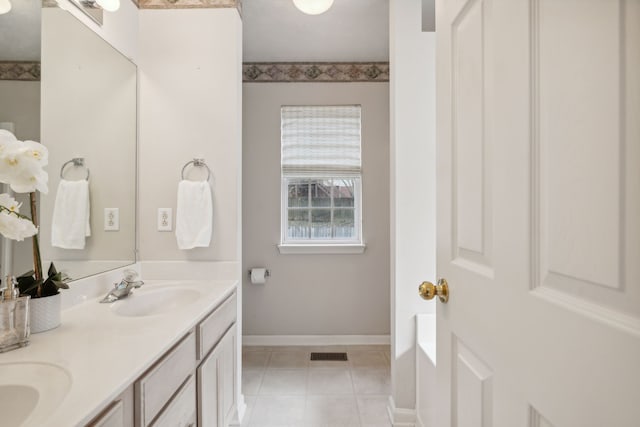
<point x="111" y="219"/>
<point x="165" y="219"/>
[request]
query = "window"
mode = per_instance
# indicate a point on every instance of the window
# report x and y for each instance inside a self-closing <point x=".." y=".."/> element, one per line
<point x="321" y="176"/>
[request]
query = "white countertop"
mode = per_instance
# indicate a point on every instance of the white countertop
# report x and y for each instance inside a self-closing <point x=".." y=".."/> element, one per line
<point x="104" y="353"/>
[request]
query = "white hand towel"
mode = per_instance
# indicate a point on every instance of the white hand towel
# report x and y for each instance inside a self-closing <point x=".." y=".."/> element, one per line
<point x="194" y="215"/>
<point x="70" y="224"/>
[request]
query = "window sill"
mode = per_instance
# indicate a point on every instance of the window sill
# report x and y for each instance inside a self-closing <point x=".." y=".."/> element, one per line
<point x="321" y="249"/>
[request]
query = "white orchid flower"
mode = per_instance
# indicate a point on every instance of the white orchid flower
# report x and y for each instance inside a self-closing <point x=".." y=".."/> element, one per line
<point x="10" y="164"/>
<point x="22" y="166"/>
<point x="12" y="225"/>
<point x="30" y="180"/>
<point x="7" y="144"/>
<point x="6" y="136"/>
<point x="37" y="152"/>
<point x="10" y="203"/>
<point x="16" y="228"/>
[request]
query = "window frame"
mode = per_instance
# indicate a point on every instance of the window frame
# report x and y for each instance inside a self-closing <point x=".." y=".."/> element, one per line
<point x="356" y="242"/>
<point x="341" y="165"/>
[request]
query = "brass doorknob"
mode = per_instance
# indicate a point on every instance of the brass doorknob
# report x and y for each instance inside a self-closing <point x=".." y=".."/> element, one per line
<point x="428" y="290"/>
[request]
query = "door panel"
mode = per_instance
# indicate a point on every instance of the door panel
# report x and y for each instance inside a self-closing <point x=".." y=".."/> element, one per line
<point x="538" y="201"/>
<point x="470" y="170"/>
<point x="580" y="148"/>
<point x="472" y="388"/>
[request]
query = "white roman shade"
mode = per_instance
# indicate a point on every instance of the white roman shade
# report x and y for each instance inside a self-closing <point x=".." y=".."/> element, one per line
<point x="321" y="140"/>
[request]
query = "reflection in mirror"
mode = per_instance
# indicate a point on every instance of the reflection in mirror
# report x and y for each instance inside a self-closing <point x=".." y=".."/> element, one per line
<point x="20" y="101"/>
<point x="89" y="113"/>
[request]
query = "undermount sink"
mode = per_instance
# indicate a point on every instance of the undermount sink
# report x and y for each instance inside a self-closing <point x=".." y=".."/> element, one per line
<point x="30" y="392"/>
<point x="154" y="302"/>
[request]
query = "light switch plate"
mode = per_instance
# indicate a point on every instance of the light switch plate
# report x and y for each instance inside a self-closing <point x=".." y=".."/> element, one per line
<point x="111" y="219"/>
<point x="165" y="219"/>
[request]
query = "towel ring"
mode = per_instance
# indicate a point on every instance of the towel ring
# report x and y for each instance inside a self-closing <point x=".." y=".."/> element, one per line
<point x="78" y="162"/>
<point x="197" y="163"/>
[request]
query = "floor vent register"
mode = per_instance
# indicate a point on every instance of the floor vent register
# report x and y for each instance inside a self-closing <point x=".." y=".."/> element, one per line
<point x="340" y="357"/>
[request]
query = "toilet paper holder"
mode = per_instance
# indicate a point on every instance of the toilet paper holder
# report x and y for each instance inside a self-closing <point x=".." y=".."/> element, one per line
<point x="267" y="272"/>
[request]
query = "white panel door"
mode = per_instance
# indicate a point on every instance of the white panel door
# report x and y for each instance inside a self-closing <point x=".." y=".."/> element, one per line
<point x="538" y="105"/>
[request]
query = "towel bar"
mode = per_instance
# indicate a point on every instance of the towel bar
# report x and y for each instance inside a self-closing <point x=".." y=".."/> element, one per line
<point x="196" y="163"/>
<point x="78" y="162"/>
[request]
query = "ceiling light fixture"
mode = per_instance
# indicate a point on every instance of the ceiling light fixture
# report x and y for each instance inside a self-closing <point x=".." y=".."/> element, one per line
<point x="109" y="5"/>
<point x="313" y="7"/>
<point x="5" y="6"/>
<point x="94" y="8"/>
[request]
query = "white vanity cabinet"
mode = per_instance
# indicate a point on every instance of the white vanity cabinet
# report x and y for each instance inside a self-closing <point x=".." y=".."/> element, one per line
<point x="195" y="381"/>
<point x="192" y="384"/>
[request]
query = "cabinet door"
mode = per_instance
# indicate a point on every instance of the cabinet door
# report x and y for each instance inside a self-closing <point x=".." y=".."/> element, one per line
<point x="216" y="383"/>
<point x="208" y="399"/>
<point x="227" y="372"/>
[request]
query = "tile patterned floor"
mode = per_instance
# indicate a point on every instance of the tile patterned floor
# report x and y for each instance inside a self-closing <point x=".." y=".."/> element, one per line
<point x="283" y="388"/>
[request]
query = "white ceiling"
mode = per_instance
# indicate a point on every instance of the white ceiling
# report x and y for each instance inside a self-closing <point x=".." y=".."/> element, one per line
<point x="352" y="30"/>
<point x="20" y="31"/>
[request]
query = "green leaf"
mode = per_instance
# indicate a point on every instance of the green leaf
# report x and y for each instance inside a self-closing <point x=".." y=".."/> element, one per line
<point x="29" y="273"/>
<point x="29" y="285"/>
<point x="60" y="284"/>
<point x="49" y="289"/>
<point x="52" y="270"/>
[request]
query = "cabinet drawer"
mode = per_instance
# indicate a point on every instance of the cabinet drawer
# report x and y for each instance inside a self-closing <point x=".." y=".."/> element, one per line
<point x="156" y="387"/>
<point x="213" y="327"/>
<point x="181" y="411"/>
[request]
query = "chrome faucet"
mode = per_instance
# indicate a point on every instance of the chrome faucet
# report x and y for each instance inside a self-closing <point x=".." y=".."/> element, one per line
<point x="123" y="289"/>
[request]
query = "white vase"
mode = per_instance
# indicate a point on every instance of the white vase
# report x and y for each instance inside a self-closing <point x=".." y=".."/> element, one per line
<point x="45" y="313"/>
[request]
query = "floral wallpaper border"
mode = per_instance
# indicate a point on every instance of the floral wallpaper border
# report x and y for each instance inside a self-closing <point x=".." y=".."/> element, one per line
<point x="329" y="72"/>
<point x="20" y="70"/>
<point x="54" y="3"/>
<point x="171" y="4"/>
<point x="188" y="4"/>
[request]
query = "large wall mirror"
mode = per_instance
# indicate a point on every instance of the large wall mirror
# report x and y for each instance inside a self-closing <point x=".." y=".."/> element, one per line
<point x="82" y="106"/>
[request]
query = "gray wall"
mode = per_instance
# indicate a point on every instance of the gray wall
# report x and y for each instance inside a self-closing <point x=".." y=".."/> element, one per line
<point x="314" y="294"/>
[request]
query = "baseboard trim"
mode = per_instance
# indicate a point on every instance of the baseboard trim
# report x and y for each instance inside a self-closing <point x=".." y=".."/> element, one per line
<point x="315" y="340"/>
<point x="401" y="417"/>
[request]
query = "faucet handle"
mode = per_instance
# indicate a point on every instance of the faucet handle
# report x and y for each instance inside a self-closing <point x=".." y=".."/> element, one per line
<point x="130" y="275"/>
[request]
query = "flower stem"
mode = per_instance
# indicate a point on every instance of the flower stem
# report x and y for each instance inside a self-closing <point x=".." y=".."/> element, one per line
<point x="37" y="262"/>
<point x="10" y="212"/>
